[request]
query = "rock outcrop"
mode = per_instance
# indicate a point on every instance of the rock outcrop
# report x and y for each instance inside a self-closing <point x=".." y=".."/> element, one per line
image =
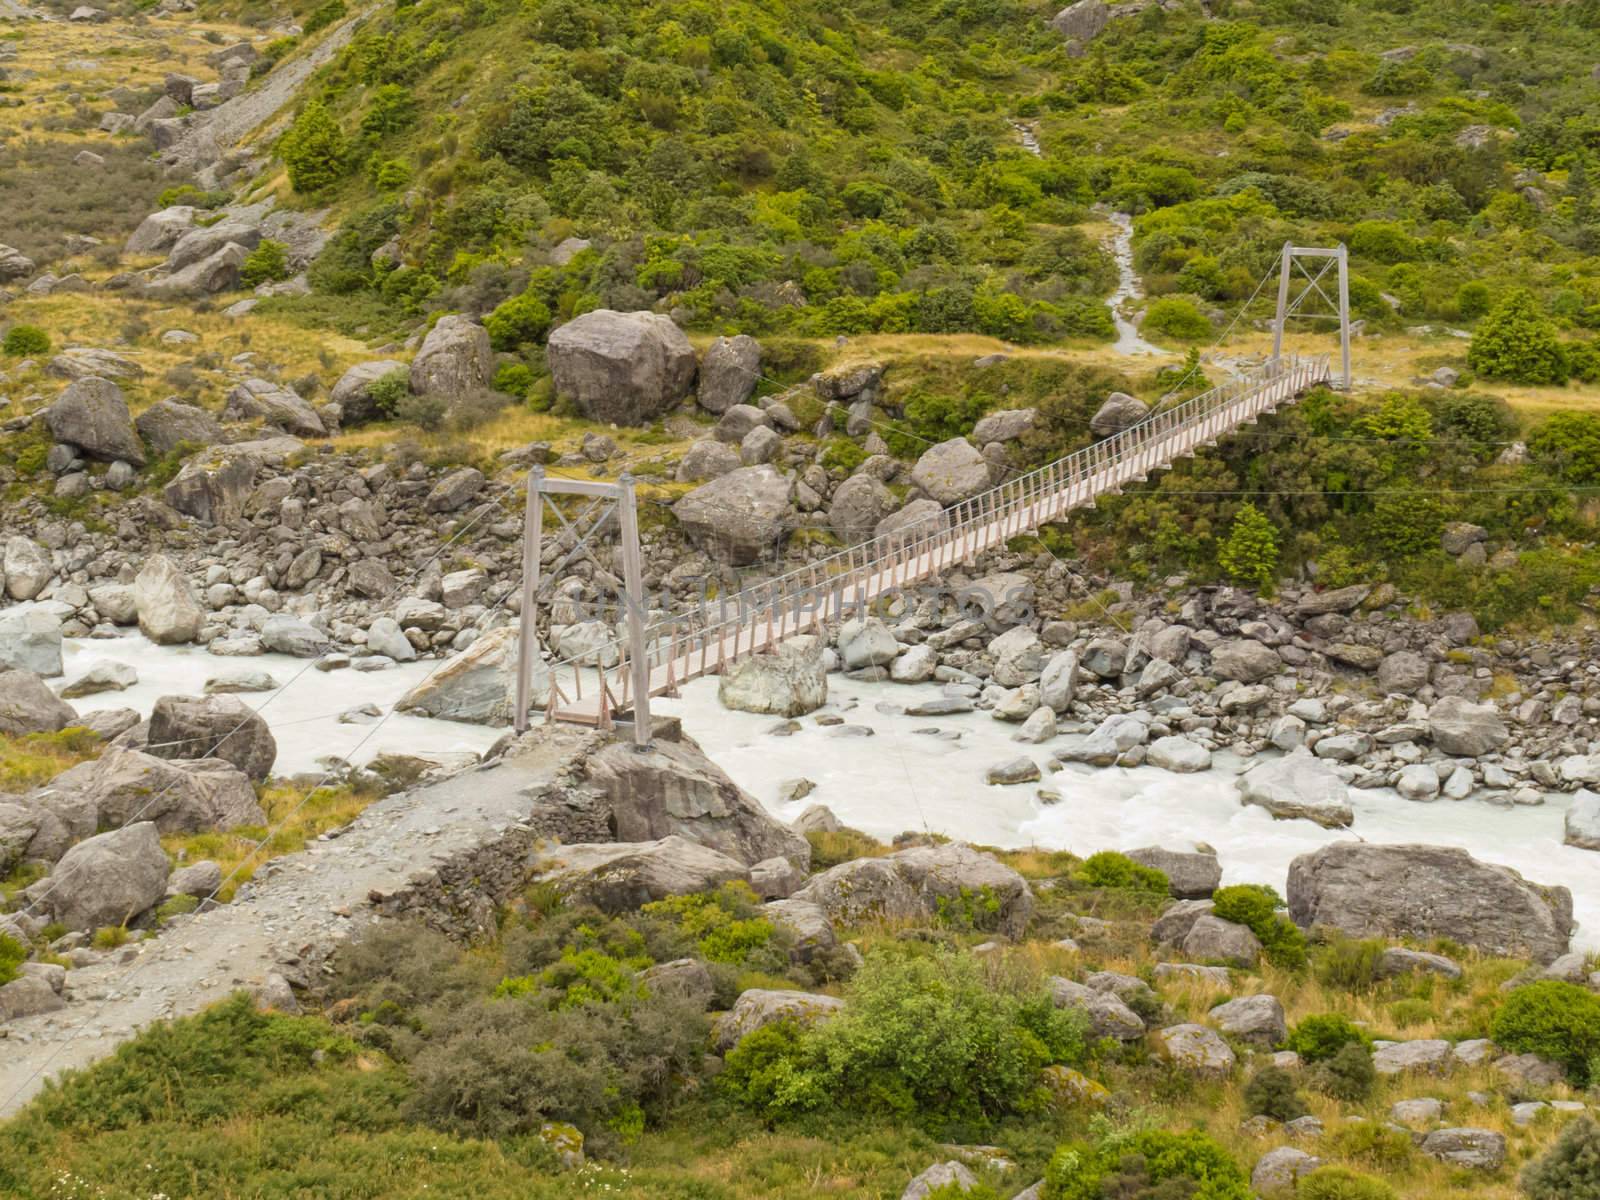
<point x="628" y="368"/>
<point x="912" y="883"/>
<point x="1427" y="892"/>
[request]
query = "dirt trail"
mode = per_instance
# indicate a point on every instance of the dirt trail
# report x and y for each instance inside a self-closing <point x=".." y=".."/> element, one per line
<point x="296" y="910"/>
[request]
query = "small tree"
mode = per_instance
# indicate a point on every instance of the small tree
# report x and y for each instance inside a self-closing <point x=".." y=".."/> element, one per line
<point x="1250" y="554"/>
<point x="517" y="321"/>
<point x="267" y="263"/>
<point x="1517" y="342"/>
<point x="314" y="149"/>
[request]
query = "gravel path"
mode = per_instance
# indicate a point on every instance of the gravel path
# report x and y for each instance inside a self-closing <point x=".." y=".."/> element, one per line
<point x="297" y="909"/>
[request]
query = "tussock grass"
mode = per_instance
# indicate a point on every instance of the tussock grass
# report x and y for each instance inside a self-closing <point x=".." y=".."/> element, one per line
<point x="36" y="758"/>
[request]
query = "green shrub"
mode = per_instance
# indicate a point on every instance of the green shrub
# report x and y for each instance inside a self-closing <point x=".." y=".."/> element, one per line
<point x="1382" y="240"/>
<point x="1147" y="1164"/>
<point x="1348" y="963"/>
<point x="1569" y="444"/>
<point x="188" y="194"/>
<point x="25" y="341"/>
<point x="1340" y="1183"/>
<point x="314" y="150"/>
<point x="518" y="321"/>
<point x="514" y="379"/>
<point x="1348" y="1075"/>
<point x="1271" y="1093"/>
<point x="1109" y="869"/>
<point x="942" y="1039"/>
<point x="1174" y="317"/>
<point x="323" y="16"/>
<point x="1250" y="553"/>
<point x="726" y="925"/>
<point x="1555" y="1020"/>
<point x="1256" y="906"/>
<point x="388" y="392"/>
<point x="1472" y="298"/>
<point x="267" y="263"/>
<point x="1518" y="343"/>
<point x="1569" y="1170"/>
<point x="1322" y="1036"/>
<point x="12" y="955"/>
<point x="426" y="412"/>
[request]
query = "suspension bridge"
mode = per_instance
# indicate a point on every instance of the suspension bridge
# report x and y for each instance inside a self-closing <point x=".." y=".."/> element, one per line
<point x="655" y="658"/>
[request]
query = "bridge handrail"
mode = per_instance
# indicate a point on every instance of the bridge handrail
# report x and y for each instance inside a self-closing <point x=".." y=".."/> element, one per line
<point x="1042" y="486"/>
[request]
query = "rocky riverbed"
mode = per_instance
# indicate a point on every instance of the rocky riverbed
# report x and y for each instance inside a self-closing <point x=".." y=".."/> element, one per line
<point x="886" y="773"/>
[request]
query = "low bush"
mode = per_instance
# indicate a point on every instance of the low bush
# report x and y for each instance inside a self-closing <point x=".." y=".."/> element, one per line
<point x="267" y="263"/>
<point x="1349" y="964"/>
<point x="388" y="392"/>
<point x="941" y="1039"/>
<point x="1555" y="1020"/>
<point x="1320" y="1037"/>
<point x="1271" y="1093"/>
<point x="1569" y="1170"/>
<point x="1341" y="1183"/>
<point x="427" y="412"/>
<point x="1174" y="317"/>
<point x="1256" y="906"/>
<point x="12" y="955"/>
<point x="1108" y="869"/>
<point x="1381" y="1148"/>
<point x="517" y="321"/>
<point x="727" y="927"/>
<point x="1146" y="1165"/>
<point x="25" y="341"/>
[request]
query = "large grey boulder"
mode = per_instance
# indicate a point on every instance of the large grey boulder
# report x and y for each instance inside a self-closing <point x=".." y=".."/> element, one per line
<point x="866" y="642"/>
<point x="25" y="568"/>
<point x="222" y="727"/>
<point x="1196" y="1049"/>
<point x="622" y="876"/>
<point x="92" y="415"/>
<point x="1404" y="671"/>
<point x="217" y="273"/>
<point x="623" y="367"/>
<point x="1458" y="726"/>
<point x="1178" y="754"/>
<point x="1298" y="785"/>
<point x="1258" y="1019"/>
<point x="739" y="518"/>
<point x="455" y="358"/>
<point x="14" y="264"/>
<point x="28" y="706"/>
<point x="102" y="675"/>
<point x="1109" y="1016"/>
<point x="169" y="613"/>
<point x="1192" y="874"/>
<point x="1244" y="659"/>
<point x="942" y="1179"/>
<point x="177" y="796"/>
<point x="1006" y="425"/>
<point x="353" y="392"/>
<point x="1120" y="410"/>
<point x="202" y="241"/>
<point x="1477" y="1149"/>
<point x="1210" y="937"/>
<point x="30" y="641"/>
<point x="1278" y="1171"/>
<point x="910" y="884"/>
<point x="756" y="1008"/>
<point x="108" y="879"/>
<point x="1058" y="681"/>
<point x="673" y="790"/>
<point x="285" y="634"/>
<point x="1582" y="826"/>
<point x="918" y="519"/>
<point x="789" y="682"/>
<point x="707" y="459"/>
<point x="860" y="505"/>
<point x="478" y="685"/>
<point x="729" y="372"/>
<point x="160" y="231"/>
<point x="277" y="405"/>
<point x="18" y="825"/>
<point x="214" y="487"/>
<point x="29" y="996"/>
<point x="167" y="424"/>
<point x="951" y="471"/>
<point x="1429" y="892"/>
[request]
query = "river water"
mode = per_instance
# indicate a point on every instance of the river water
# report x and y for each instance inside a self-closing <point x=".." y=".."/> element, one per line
<point x="907" y="774"/>
<point x="906" y="777"/>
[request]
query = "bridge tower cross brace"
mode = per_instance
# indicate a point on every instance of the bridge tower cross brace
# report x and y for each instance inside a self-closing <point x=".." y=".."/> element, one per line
<point x="606" y="500"/>
<point x="1329" y="258"/>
